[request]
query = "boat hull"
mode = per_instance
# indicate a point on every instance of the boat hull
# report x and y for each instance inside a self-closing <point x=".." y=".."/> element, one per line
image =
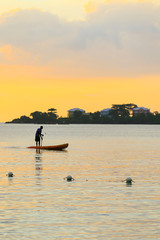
<point x="54" y="147"/>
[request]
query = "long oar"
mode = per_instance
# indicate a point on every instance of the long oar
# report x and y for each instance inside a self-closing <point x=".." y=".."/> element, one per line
<point x="41" y="141"/>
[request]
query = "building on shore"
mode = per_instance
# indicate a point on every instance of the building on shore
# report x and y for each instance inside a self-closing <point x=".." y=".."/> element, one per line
<point x="73" y="110"/>
<point x="139" y="110"/>
<point x="105" y="112"/>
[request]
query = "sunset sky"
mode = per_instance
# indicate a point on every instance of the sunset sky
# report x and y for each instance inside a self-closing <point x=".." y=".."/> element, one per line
<point x="85" y="54"/>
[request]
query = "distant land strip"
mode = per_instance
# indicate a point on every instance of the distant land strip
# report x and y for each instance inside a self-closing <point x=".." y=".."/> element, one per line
<point x="117" y="114"/>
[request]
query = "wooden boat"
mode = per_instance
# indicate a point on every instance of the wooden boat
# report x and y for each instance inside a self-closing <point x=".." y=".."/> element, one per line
<point x="55" y="147"/>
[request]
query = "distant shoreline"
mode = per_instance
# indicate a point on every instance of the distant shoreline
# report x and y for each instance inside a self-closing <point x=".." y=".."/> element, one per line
<point x="84" y="123"/>
<point x="118" y="114"/>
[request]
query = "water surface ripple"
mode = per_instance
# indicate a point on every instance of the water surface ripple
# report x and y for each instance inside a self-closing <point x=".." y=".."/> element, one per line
<point x="37" y="203"/>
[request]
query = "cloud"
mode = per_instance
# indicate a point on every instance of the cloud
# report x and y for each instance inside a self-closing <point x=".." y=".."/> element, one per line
<point x="90" y="7"/>
<point x="114" y="40"/>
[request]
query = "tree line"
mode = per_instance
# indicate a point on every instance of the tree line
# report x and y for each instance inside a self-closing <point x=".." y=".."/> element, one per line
<point x="119" y="114"/>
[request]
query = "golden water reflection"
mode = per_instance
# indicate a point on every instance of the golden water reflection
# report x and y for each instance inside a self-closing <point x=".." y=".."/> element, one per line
<point x="37" y="203"/>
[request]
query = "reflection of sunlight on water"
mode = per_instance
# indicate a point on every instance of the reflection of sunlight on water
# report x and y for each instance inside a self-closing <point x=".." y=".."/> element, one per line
<point x="38" y="203"/>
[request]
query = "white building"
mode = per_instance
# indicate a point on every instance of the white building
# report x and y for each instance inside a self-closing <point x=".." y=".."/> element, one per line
<point x="71" y="111"/>
<point x="105" y="112"/>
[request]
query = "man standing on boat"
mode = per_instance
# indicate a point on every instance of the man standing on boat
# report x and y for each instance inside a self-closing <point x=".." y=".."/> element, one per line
<point x="39" y="136"/>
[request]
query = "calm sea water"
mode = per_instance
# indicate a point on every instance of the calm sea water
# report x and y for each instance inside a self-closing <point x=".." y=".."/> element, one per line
<point x="38" y="204"/>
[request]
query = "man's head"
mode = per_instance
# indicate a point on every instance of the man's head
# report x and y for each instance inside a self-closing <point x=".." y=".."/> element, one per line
<point x="41" y="127"/>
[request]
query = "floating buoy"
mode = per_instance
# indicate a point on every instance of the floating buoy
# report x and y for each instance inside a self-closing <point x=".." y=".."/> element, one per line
<point x="10" y="174"/>
<point x="128" y="181"/>
<point x="69" y="178"/>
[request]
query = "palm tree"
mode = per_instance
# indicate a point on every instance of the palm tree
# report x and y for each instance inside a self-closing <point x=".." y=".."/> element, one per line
<point x="53" y="110"/>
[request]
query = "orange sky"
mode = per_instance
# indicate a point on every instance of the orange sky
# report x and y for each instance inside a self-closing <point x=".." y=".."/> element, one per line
<point x="107" y="53"/>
